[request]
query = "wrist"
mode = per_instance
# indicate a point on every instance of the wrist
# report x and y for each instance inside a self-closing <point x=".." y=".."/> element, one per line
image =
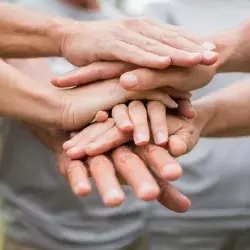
<point x="58" y="33"/>
<point x="233" y="49"/>
<point x="205" y="111"/>
<point x="47" y="109"/>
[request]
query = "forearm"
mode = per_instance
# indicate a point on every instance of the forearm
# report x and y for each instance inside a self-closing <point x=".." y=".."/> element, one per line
<point x="24" y="33"/>
<point x="23" y="99"/>
<point x="225" y="113"/>
<point x="233" y="47"/>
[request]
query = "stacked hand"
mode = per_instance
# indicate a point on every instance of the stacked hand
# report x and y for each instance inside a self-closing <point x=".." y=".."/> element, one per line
<point x="120" y="149"/>
<point x="126" y="147"/>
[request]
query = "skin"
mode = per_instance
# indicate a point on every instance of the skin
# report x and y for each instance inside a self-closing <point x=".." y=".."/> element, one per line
<point x="147" y="188"/>
<point x="139" y="41"/>
<point x="108" y="170"/>
<point x="233" y="56"/>
<point x="63" y="109"/>
<point x="222" y="114"/>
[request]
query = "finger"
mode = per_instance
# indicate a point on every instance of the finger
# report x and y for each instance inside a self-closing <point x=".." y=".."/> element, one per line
<point x="132" y="54"/>
<point x="110" y="139"/>
<point x="173" y="39"/>
<point x="101" y="116"/>
<point x="138" y="116"/>
<point x="172" y="199"/>
<point x="78" y="177"/>
<point x="103" y="173"/>
<point x="130" y="166"/>
<point x="158" y="122"/>
<point x="120" y="115"/>
<point x="91" y="73"/>
<point x="178" y="143"/>
<point x="145" y="79"/>
<point x="73" y="134"/>
<point x="160" y="161"/>
<point x="186" y="40"/>
<point x="75" y="147"/>
<point x="178" y="57"/>
<point x="185" y="109"/>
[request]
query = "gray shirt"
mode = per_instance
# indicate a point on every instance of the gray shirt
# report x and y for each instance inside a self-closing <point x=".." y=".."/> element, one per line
<point x="217" y="172"/>
<point x="41" y="209"/>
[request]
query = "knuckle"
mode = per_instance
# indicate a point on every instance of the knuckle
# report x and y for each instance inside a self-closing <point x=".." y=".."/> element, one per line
<point x="150" y="149"/>
<point x="132" y="22"/>
<point x="118" y="32"/>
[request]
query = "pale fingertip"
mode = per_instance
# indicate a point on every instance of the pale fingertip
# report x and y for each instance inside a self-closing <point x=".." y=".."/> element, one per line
<point x="141" y="139"/>
<point x="208" y="46"/>
<point x="165" y="60"/>
<point x="82" y="188"/>
<point x="193" y="56"/>
<point x="113" y="198"/>
<point x="171" y="171"/>
<point x="74" y="152"/>
<point x="126" y="127"/>
<point x="148" y="192"/>
<point x="209" y="55"/>
<point x="129" y="80"/>
<point x="160" y="138"/>
<point x="67" y="145"/>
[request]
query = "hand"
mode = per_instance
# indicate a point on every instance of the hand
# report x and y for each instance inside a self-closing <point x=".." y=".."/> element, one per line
<point x="135" y="116"/>
<point x="181" y="134"/>
<point x="139" y="41"/>
<point x="80" y="105"/>
<point x="107" y="179"/>
<point x="178" y="78"/>
<point x="124" y="159"/>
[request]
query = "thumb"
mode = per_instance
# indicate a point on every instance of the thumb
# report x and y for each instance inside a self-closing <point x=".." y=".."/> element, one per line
<point x="178" y="143"/>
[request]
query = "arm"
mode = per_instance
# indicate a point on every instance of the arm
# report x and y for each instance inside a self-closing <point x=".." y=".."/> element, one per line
<point x="22" y="98"/>
<point x="226" y="112"/>
<point x="233" y="48"/>
<point x="139" y="41"/>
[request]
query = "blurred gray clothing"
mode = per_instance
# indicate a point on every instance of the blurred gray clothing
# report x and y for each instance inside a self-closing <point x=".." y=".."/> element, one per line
<point x="217" y="172"/>
<point x="41" y="209"/>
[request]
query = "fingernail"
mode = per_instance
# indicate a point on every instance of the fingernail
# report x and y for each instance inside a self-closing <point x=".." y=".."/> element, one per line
<point x="74" y="150"/>
<point x="148" y="192"/>
<point x="183" y="197"/>
<point x="195" y="55"/>
<point x="67" y="145"/>
<point x="160" y="138"/>
<point x="171" y="171"/>
<point x="81" y="187"/>
<point x="208" y="46"/>
<point x="114" y="196"/>
<point x="173" y="104"/>
<point x="127" y="126"/>
<point x="130" y="80"/>
<point x="209" y="55"/>
<point x="140" y="138"/>
<point x="165" y="59"/>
